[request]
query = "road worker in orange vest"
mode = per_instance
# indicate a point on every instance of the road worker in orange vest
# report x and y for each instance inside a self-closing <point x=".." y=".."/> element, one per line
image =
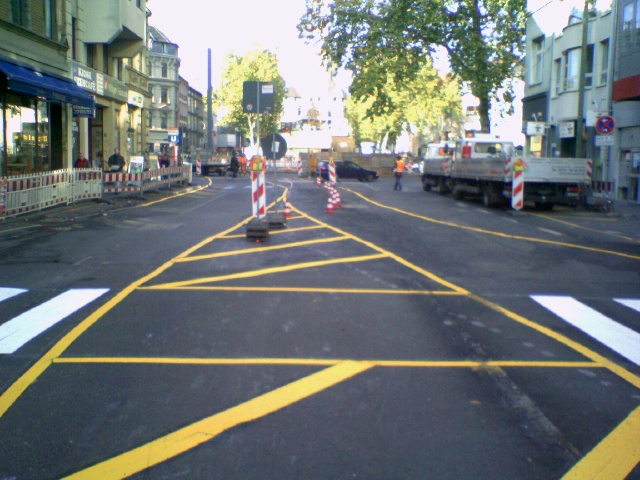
<point x="398" y="171"/>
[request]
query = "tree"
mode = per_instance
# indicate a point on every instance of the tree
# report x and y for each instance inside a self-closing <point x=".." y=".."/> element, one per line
<point x="426" y="103"/>
<point x="483" y="39"/>
<point x="255" y="66"/>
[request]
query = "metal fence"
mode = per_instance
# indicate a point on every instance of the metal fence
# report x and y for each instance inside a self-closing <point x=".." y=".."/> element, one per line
<point x="34" y="192"/>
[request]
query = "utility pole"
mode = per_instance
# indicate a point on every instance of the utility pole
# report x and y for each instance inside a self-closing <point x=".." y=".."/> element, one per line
<point x="580" y="124"/>
<point x="209" y="106"/>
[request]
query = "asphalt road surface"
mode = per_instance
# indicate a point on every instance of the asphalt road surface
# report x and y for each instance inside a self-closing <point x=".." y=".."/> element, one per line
<point x="405" y="335"/>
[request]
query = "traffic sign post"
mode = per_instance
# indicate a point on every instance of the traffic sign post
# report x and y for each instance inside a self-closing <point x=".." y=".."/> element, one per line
<point x="605" y="125"/>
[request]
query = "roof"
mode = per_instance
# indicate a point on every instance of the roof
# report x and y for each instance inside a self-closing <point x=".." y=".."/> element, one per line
<point x="157" y="36"/>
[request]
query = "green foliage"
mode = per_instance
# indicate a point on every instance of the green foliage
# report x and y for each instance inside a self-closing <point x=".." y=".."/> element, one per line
<point x="255" y="66"/>
<point x="424" y="102"/>
<point x="377" y="38"/>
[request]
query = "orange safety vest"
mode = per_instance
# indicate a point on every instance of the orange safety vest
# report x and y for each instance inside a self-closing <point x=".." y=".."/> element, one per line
<point x="399" y="166"/>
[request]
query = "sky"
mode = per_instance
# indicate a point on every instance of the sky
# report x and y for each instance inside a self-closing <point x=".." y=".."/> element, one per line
<point x="239" y="26"/>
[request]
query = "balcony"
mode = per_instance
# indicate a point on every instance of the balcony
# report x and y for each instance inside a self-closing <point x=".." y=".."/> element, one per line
<point x="119" y="23"/>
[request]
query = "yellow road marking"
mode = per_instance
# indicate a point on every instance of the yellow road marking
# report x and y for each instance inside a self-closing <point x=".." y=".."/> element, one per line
<point x="494" y="233"/>
<point x="183" y="440"/>
<point x="269" y="271"/>
<point x="11" y="394"/>
<point x="304" y="290"/>
<point x="614" y="457"/>
<point x="330" y="362"/>
<point x="278" y="232"/>
<point x="263" y="249"/>
<point x="387" y="253"/>
<point x="574" y="225"/>
<point x="189" y="192"/>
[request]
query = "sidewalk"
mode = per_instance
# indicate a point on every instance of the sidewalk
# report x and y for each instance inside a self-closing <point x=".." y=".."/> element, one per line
<point x="101" y="207"/>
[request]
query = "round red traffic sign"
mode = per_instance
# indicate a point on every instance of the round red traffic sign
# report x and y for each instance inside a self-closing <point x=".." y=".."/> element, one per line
<point x="605" y="125"/>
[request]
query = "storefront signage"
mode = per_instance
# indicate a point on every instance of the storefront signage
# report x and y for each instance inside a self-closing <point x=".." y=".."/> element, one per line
<point x="80" y="111"/>
<point x="567" y="129"/>
<point x="136" y="99"/>
<point x="98" y="83"/>
<point x="535" y="128"/>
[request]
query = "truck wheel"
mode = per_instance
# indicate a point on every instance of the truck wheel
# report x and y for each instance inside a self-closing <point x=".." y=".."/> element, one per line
<point x="488" y="197"/>
<point x="442" y="186"/>
<point x="426" y="185"/>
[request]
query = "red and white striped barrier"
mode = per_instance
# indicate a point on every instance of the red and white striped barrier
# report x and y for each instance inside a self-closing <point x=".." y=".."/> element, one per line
<point x="517" y="188"/>
<point x="332" y="172"/>
<point x="258" y="194"/>
<point x="198" y="164"/>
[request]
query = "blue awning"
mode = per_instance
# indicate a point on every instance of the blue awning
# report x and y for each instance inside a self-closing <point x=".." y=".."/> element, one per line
<point x="25" y="80"/>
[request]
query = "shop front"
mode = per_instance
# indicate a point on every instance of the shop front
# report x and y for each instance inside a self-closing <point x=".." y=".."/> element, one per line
<point x="34" y="120"/>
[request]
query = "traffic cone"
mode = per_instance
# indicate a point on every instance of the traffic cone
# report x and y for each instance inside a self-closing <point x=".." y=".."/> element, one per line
<point x="318" y="181"/>
<point x="329" y="205"/>
<point x="287" y="209"/>
<point x="336" y="198"/>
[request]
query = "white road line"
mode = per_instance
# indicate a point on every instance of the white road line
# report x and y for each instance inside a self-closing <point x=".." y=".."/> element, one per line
<point x="619" y="338"/>
<point x="9" y="292"/>
<point x="18" y="331"/>
<point x="629" y="302"/>
<point x="552" y="232"/>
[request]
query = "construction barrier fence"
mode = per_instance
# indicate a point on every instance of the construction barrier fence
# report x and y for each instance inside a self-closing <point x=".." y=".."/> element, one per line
<point x="34" y="192"/>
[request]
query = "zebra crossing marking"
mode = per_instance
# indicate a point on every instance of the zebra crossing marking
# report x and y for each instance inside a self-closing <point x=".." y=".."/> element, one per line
<point x="6" y="293"/>
<point x="619" y="338"/>
<point x="25" y="327"/>
<point x="629" y="302"/>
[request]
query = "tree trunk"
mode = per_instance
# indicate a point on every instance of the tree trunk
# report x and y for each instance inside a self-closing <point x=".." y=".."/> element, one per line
<point x="485" y="105"/>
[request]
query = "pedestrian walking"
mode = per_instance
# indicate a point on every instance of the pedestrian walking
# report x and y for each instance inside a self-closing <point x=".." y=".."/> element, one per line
<point x="234" y="165"/>
<point x="398" y="171"/>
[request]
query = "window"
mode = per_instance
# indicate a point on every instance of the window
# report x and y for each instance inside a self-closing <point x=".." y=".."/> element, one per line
<point x="164" y="120"/>
<point x="631" y="24"/>
<point x="49" y="18"/>
<point x="537" y="61"/>
<point x="558" y="75"/>
<point x="589" y="76"/>
<point x="90" y="58"/>
<point x="164" y="70"/>
<point x="604" y="61"/>
<point x="572" y="69"/>
<point x="164" y="96"/>
<point x="19" y="14"/>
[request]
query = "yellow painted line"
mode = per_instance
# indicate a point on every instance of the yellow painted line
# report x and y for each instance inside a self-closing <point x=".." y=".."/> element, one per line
<point x="581" y="227"/>
<point x="272" y="270"/>
<point x="263" y="249"/>
<point x="305" y="290"/>
<point x="387" y="253"/>
<point x="198" y="189"/>
<point x="280" y="232"/>
<point x="328" y="362"/>
<point x="11" y="394"/>
<point x="615" y="457"/>
<point x="586" y="352"/>
<point x="183" y="440"/>
<point x="497" y="234"/>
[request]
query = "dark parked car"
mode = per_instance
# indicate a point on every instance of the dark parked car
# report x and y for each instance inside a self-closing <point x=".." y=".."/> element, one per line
<point x="348" y="169"/>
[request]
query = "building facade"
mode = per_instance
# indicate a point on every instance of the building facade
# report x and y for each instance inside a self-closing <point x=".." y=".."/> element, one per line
<point x="626" y="97"/>
<point x="38" y="99"/>
<point x="608" y="88"/>
<point x="163" y="69"/>
<point x="107" y="59"/>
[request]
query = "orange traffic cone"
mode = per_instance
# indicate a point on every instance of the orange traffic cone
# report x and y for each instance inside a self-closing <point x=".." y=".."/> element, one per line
<point x="329" y="205"/>
<point x="287" y="210"/>
<point x="318" y="181"/>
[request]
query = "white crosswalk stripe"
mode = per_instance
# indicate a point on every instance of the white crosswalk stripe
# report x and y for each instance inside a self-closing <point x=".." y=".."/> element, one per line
<point x="25" y="327"/>
<point x="6" y="293"/>
<point x="619" y="338"/>
<point x="629" y="302"/>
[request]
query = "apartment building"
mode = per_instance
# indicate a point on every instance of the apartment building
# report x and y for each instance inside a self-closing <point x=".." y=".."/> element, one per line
<point x="107" y="56"/>
<point x="626" y="97"/>
<point x="37" y="96"/>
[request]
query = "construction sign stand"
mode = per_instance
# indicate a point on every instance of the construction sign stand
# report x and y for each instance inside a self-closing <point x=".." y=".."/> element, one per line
<point x="517" y="187"/>
<point x="258" y="227"/>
